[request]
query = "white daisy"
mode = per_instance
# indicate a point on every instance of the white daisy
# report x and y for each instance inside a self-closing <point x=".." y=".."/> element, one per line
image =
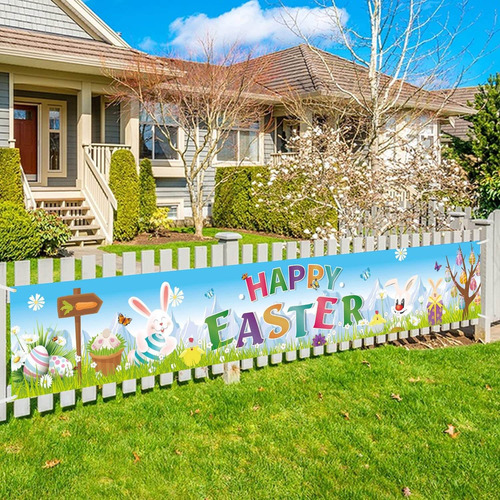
<point x="152" y="369"/>
<point x="36" y="302"/>
<point x="60" y="341"/>
<point x="401" y="254"/>
<point x="209" y="344"/>
<point x="45" y="381"/>
<point x="172" y="366"/>
<point x="119" y="368"/>
<point x="127" y="366"/>
<point x="78" y="358"/>
<point x="18" y="360"/>
<point x="176" y="297"/>
<point x="161" y="357"/>
<point x="421" y="299"/>
<point x="15" y="330"/>
<point x="29" y="339"/>
<point x="382" y="294"/>
<point x="226" y="350"/>
<point x="347" y="326"/>
<point x="93" y="365"/>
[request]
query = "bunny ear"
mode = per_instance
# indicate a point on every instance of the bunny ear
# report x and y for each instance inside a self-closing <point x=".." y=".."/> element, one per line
<point x="392" y="282"/>
<point x="138" y="306"/>
<point x="432" y="284"/>
<point x="439" y="281"/>
<point x="164" y="292"/>
<point x="411" y="282"/>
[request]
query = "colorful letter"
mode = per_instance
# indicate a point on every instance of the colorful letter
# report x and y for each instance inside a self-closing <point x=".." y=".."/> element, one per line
<point x="300" y="318"/>
<point x="214" y="329"/>
<point x="314" y="272"/>
<point x="332" y="275"/>
<point x="352" y="305"/>
<point x="280" y="321"/>
<point x="322" y="311"/>
<point x="260" y="285"/>
<point x="295" y="274"/>
<point x="250" y="320"/>
<point x="278" y="281"/>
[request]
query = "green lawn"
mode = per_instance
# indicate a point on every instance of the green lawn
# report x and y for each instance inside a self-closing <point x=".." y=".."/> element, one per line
<point x="281" y="433"/>
<point x="210" y="232"/>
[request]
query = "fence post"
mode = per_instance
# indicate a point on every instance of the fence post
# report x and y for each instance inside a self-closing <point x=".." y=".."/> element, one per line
<point x="230" y="243"/>
<point x="457" y="222"/>
<point x="483" y="327"/>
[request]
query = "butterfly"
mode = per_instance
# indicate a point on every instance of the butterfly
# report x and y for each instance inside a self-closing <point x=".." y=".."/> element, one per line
<point x="437" y="267"/>
<point x="315" y="284"/>
<point x="123" y="320"/>
<point x="210" y="293"/>
<point x="366" y="274"/>
<point x="244" y="277"/>
<point x="54" y="339"/>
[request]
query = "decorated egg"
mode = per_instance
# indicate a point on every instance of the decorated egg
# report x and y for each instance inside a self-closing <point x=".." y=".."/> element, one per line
<point x="472" y="258"/>
<point x="477" y="300"/>
<point x="473" y="284"/>
<point x="478" y="270"/>
<point x="60" y="366"/>
<point x="454" y="291"/>
<point x="37" y="363"/>
<point x="463" y="278"/>
<point x="461" y="304"/>
<point x="460" y="260"/>
<point x="447" y="276"/>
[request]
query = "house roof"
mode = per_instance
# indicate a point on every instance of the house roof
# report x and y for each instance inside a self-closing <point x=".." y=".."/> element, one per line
<point x="459" y="127"/>
<point x="20" y="46"/>
<point x="306" y="70"/>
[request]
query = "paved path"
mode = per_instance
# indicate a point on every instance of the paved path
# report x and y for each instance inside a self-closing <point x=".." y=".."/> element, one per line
<point x="495" y="333"/>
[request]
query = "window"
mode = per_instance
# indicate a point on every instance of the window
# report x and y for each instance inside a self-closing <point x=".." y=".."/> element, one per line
<point x="241" y="144"/>
<point x="54" y="139"/>
<point x="22" y="114"/>
<point x="153" y="140"/>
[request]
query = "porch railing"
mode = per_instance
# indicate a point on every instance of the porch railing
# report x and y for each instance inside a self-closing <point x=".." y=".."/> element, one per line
<point x="277" y="158"/>
<point x="98" y="195"/>
<point x="29" y="199"/>
<point x="101" y="156"/>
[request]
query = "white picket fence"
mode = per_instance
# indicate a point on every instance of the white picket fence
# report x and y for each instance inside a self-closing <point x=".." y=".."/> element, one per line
<point x="228" y="254"/>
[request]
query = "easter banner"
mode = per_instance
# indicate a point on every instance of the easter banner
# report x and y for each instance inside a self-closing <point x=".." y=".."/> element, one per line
<point x="90" y="332"/>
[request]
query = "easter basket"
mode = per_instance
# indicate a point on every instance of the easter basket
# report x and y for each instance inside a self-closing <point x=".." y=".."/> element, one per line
<point x="106" y="351"/>
<point x="106" y="364"/>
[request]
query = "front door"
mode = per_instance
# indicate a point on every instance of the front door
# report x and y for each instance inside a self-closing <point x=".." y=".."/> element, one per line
<point x="26" y="135"/>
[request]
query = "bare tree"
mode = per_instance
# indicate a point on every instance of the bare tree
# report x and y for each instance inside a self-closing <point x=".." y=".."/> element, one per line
<point x="203" y="97"/>
<point x="409" y="47"/>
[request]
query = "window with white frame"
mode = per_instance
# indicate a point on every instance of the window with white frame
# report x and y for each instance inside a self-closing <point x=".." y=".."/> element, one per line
<point x="241" y="144"/>
<point x="154" y="143"/>
<point x="55" y="139"/>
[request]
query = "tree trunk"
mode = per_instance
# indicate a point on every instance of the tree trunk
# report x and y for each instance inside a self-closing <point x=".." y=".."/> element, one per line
<point x="198" y="221"/>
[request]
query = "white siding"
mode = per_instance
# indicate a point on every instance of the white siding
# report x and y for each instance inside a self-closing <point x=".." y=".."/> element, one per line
<point x="4" y="109"/>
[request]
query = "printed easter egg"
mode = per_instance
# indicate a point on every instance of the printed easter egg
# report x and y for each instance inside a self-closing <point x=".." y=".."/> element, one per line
<point x="473" y="284"/>
<point x="60" y="366"/>
<point x="37" y="363"/>
<point x="478" y="270"/>
<point x="477" y="300"/>
<point x="447" y="276"/>
<point x="460" y="260"/>
<point x="463" y="278"/>
<point x="454" y="292"/>
<point x="472" y="258"/>
<point x="461" y="304"/>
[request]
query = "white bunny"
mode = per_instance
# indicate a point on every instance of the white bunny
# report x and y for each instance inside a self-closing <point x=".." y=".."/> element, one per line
<point x="402" y="304"/>
<point x="155" y="341"/>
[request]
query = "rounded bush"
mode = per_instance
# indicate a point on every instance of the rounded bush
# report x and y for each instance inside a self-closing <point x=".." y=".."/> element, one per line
<point x="11" y="185"/>
<point x="124" y="183"/>
<point x="19" y="238"/>
<point x="54" y="233"/>
<point x="147" y="195"/>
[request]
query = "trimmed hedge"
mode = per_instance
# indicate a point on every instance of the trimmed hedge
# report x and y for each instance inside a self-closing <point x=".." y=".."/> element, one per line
<point x="53" y="232"/>
<point x="236" y="207"/>
<point x="124" y="183"/>
<point x="11" y="185"/>
<point x="19" y="238"/>
<point x="147" y="195"/>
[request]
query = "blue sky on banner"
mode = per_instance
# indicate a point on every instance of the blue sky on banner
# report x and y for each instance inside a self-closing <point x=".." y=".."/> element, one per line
<point x="363" y="274"/>
<point x="172" y="27"/>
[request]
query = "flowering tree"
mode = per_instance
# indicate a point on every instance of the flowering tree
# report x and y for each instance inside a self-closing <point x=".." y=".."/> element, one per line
<point x="335" y="177"/>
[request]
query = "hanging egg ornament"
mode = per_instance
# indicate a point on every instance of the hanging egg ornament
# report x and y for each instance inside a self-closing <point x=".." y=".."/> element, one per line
<point x="447" y="276"/>
<point x="478" y="270"/>
<point x="473" y="284"/>
<point x="463" y="278"/>
<point x="461" y="304"/>
<point x="454" y="292"/>
<point x="477" y="300"/>
<point x="460" y="260"/>
<point x="472" y="258"/>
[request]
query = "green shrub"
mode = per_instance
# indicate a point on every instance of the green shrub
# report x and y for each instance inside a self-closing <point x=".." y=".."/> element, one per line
<point x="19" y="238"/>
<point x="147" y="195"/>
<point x="124" y="182"/>
<point x="235" y="205"/>
<point x="54" y="233"/>
<point x="11" y="185"/>
<point x="159" y="222"/>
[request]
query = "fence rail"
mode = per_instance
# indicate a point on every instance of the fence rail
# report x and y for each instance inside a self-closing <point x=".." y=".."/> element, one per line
<point x="231" y="253"/>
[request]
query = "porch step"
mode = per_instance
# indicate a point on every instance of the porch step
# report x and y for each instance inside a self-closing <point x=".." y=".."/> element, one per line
<point x="83" y="240"/>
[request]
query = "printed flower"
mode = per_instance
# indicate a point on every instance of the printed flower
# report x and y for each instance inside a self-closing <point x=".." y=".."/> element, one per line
<point x="172" y="366"/>
<point x="319" y="340"/>
<point x="18" y="360"/>
<point x="60" y="341"/>
<point x="414" y="320"/>
<point x="93" y="365"/>
<point x="401" y="254"/>
<point x="29" y="339"/>
<point x="119" y="368"/>
<point x="222" y="358"/>
<point x="152" y="369"/>
<point x="127" y="366"/>
<point x="192" y="355"/>
<point x="177" y="297"/>
<point x="209" y="344"/>
<point x="45" y="381"/>
<point x="78" y="358"/>
<point x="227" y="350"/>
<point x="98" y="374"/>
<point x="15" y="330"/>
<point x="363" y="322"/>
<point x="421" y="299"/>
<point x="161" y="357"/>
<point x="36" y="302"/>
<point x="339" y="323"/>
<point x="283" y="346"/>
<point x="347" y="326"/>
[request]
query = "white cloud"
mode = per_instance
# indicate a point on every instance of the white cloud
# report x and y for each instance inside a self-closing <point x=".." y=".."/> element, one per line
<point x="250" y="24"/>
<point x="148" y="44"/>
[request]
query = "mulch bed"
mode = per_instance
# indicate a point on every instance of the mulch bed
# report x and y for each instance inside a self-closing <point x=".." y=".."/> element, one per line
<point x="464" y="336"/>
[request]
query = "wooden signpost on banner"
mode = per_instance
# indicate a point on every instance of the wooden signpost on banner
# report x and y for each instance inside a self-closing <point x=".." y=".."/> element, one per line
<point x="76" y="306"/>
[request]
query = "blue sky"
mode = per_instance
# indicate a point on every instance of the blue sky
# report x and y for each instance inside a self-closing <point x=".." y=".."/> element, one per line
<point x="168" y="27"/>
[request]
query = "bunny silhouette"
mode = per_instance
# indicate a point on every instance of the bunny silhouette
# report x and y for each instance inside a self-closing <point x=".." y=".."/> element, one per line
<point x="402" y="304"/>
<point x="155" y="341"/>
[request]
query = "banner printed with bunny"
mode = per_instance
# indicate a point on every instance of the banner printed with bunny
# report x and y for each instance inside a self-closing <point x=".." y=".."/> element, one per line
<point x="164" y="322"/>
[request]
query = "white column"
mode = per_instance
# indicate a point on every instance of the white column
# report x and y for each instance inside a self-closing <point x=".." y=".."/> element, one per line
<point x="130" y="127"/>
<point x="84" y="125"/>
<point x="12" y="140"/>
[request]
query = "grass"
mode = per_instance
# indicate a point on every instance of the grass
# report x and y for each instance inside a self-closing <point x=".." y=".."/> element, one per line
<point x="209" y="232"/>
<point x="280" y="433"/>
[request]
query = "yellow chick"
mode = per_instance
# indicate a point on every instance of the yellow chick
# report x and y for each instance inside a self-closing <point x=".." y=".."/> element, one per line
<point x="192" y="356"/>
